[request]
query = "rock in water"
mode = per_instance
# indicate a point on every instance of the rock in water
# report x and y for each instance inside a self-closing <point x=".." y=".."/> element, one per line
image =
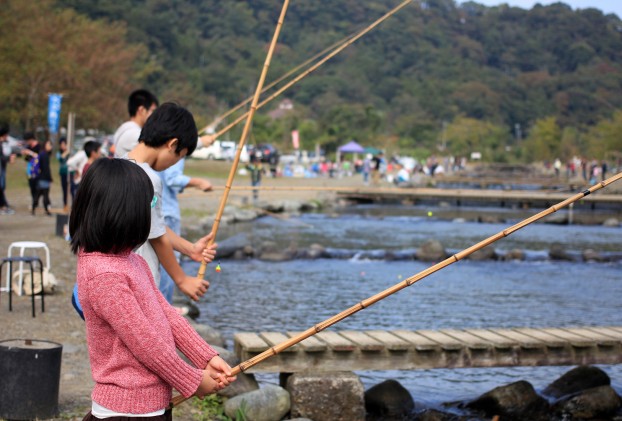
<point x="431" y="251"/>
<point x="389" y="399"/>
<point x="576" y="380"/>
<point x="597" y="403"/>
<point x="515" y="401"/>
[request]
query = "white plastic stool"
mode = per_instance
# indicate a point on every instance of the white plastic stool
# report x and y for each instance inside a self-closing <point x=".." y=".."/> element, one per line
<point x="22" y="246"/>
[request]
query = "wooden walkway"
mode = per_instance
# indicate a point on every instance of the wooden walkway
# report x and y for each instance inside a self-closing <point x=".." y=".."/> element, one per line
<point x="470" y="197"/>
<point x="426" y="349"/>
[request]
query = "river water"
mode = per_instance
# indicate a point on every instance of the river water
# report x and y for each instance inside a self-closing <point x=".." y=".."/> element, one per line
<point x="254" y="295"/>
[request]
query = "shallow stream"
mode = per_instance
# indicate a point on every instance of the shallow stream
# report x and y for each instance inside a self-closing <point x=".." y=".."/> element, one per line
<point x="254" y="296"/>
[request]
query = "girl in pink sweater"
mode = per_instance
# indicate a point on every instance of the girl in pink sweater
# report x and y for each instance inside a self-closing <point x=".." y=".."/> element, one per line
<point x="131" y="331"/>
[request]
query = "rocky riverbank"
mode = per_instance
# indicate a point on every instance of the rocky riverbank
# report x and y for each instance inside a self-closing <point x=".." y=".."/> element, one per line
<point x="583" y="393"/>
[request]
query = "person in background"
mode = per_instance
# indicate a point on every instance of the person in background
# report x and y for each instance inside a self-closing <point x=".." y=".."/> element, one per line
<point x="31" y="155"/>
<point x="62" y="155"/>
<point x="6" y="157"/>
<point x="376" y="168"/>
<point x="92" y="150"/>
<point x="44" y="179"/>
<point x="254" y="166"/>
<point x="174" y="182"/>
<point x="75" y="165"/>
<point x="366" y="169"/>
<point x="140" y="105"/>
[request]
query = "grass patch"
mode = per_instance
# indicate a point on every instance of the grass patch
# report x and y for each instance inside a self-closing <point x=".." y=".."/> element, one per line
<point x="207" y="168"/>
<point x="211" y="408"/>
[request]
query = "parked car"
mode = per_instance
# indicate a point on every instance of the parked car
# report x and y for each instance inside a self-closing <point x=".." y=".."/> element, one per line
<point x="266" y="153"/>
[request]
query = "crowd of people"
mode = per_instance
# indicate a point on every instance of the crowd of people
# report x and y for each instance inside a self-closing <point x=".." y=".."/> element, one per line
<point x="373" y="168"/>
<point x="590" y="171"/>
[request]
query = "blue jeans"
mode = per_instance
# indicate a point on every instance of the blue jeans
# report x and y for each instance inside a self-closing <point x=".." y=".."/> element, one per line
<point x="167" y="285"/>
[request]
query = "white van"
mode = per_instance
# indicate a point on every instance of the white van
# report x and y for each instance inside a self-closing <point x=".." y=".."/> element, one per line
<point x="220" y="150"/>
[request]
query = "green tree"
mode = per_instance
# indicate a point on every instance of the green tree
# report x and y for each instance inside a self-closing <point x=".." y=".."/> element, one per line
<point x="48" y="50"/>
<point x="466" y="135"/>
<point x="543" y="142"/>
<point x="605" y="136"/>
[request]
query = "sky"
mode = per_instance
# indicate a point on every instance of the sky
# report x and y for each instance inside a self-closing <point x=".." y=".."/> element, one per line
<point x="607" y="6"/>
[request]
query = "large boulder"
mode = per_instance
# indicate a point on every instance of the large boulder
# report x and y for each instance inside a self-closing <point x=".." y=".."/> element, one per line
<point x="315" y="251"/>
<point x="576" y="380"/>
<point x="611" y="222"/>
<point x="514" y="254"/>
<point x="515" y="401"/>
<point x="431" y="251"/>
<point x="269" y="403"/>
<point x="245" y="215"/>
<point x="597" y="403"/>
<point x="557" y="252"/>
<point x="487" y="253"/>
<point x="590" y="255"/>
<point x="229" y="246"/>
<point x="336" y="396"/>
<point x="278" y="256"/>
<point x="389" y="399"/>
<point x="210" y="335"/>
<point x="286" y="206"/>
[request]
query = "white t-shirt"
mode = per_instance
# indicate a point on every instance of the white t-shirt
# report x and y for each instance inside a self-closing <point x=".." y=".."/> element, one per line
<point x="126" y="138"/>
<point x="77" y="163"/>
<point x="158" y="227"/>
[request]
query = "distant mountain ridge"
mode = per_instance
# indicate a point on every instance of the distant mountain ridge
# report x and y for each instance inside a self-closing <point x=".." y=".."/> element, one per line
<point x="431" y="63"/>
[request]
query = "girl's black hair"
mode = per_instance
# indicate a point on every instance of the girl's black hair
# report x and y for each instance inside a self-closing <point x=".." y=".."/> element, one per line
<point x="112" y="209"/>
<point x="170" y="121"/>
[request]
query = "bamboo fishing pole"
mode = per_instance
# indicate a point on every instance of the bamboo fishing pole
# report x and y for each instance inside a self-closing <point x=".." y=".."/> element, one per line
<point x="314" y="67"/>
<point x="250" y="114"/>
<point x="407" y="282"/>
<point x="275" y="82"/>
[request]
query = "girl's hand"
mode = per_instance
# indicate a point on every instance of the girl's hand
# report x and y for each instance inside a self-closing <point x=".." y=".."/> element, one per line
<point x="200" y="251"/>
<point x="207" y="386"/>
<point x="220" y="371"/>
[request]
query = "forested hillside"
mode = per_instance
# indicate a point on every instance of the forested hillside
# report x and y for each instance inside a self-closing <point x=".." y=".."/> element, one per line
<point x="437" y="74"/>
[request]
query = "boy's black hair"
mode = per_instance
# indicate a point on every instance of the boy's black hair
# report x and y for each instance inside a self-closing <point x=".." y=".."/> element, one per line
<point x="29" y="136"/>
<point x="4" y="129"/>
<point x="112" y="209"/>
<point x="170" y="121"/>
<point x="138" y="98"/>
<point x="63" y="139"/>
<point x="90" y="147"/>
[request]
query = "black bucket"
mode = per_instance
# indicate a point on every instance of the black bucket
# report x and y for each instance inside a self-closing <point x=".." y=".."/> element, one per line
<point x="29" y="379"/>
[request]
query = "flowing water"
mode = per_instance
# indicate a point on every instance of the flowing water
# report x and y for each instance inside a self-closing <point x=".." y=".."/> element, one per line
<point x="254" y="296"/>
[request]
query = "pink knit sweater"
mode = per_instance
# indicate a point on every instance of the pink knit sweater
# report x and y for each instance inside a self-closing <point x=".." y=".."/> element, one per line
<point x="132" y="335"/>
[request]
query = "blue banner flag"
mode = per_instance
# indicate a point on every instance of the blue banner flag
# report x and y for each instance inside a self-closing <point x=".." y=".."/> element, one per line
<point x="54" y="103"/>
